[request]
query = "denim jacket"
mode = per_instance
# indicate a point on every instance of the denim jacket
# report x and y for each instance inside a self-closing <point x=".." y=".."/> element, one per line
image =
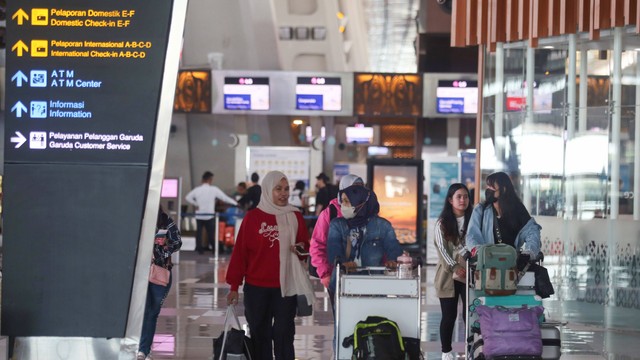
<point x="379" y="242"/>
<point x="480" y="232"/>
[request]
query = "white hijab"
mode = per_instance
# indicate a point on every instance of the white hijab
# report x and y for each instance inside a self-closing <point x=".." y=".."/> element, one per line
<point x="293" y="277"/>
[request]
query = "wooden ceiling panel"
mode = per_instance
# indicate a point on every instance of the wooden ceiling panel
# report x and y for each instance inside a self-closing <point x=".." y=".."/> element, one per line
<point x="459" y="24"/>
<point x="489" y="22"/>
<point x="512" y="21"/>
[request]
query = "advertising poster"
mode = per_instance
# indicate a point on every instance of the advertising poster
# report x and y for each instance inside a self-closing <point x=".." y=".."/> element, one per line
<point x="441" y="174"/>
<point x="398" y="194"/>
<point x="468" y="169"/>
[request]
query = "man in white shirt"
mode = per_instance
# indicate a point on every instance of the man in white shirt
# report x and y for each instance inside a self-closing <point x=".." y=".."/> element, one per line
<point x="204" y="199"/>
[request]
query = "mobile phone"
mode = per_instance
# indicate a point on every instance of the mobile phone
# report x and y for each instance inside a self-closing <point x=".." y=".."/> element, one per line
<point x="301" y="251"/>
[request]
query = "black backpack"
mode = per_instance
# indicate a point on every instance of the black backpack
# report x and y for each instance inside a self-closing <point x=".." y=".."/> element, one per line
<point x="376" y="338"/>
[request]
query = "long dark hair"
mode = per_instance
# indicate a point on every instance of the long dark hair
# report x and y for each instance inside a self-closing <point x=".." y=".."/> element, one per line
<point x="509" y="202"/>
<point x="448" y="221"/>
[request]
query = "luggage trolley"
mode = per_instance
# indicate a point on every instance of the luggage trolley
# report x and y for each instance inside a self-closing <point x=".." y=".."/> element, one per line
<point x="372" y="292"/>
<point x="525" y="295"/>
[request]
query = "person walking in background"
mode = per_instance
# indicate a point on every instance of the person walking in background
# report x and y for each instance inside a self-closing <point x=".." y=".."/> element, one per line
<point x="163" y="247"/>
<point x="503" y="218"/>
<point x="203" y="198"/>
<point x="450" y="229"/>
<point x="268" y="256"/>
<point x="326" y="192"/>
<point x="360" y="237"/>
<point x="298" y="197"/>
<point x="318" y="251"/>
<point x="241" y="190"/>
<point x="251" y="199"/>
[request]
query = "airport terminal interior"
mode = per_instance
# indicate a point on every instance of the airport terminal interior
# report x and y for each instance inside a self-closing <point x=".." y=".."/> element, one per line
<point x="194" y="313"/>
<point x="410" y="95"/>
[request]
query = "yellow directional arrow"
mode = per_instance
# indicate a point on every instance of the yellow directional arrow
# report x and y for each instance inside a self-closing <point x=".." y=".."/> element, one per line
<point x="19" y="47"/>
<point x="21" y="15"/>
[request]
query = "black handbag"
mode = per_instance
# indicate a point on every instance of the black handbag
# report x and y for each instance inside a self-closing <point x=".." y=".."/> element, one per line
<point x="232" y="341"/>
<point x="542" y="286"/>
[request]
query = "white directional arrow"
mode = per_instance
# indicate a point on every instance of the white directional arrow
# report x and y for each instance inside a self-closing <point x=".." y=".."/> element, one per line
<point x="19" y="140"/>
<point x="19" y="77"/>
<point x="19" y="108"/>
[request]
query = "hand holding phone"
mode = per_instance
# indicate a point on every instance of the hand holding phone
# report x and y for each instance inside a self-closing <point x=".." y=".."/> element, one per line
<point x="299" y="249"/>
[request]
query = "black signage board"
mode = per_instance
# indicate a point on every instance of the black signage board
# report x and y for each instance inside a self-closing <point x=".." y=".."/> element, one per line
<point x="83" y="79"/>
<point x="83" y="92"/>
<point x="68" y="250"/>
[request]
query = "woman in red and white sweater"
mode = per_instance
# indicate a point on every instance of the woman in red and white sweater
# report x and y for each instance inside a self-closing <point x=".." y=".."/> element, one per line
<point x="265" y="258"/>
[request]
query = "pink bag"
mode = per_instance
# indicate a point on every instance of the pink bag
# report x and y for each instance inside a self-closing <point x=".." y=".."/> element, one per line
<point x="508" y="331"/>
<point x="159" y="275"/>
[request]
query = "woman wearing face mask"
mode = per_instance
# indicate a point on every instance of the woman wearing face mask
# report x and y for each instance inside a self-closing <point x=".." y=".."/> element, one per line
<point x="502" y="218"/>
<point x="361" y="237"/>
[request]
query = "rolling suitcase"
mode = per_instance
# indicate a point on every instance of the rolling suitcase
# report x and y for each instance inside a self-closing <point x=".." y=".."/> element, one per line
<point x="551" y="341"/>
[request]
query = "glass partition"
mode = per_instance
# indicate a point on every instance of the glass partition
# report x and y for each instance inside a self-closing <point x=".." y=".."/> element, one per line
<point x="554" y="120"/>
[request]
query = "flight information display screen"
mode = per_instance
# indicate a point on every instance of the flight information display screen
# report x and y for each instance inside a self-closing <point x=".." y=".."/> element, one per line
<point x="457" y="97"/>
<point x="246" y="93"/>
<point x="319" y="93"/>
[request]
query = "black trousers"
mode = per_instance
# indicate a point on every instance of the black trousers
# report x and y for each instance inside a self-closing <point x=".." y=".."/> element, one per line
<point x="449" y="307"/>
<point x="271" y="322"/>
<point x="210" y="226"/>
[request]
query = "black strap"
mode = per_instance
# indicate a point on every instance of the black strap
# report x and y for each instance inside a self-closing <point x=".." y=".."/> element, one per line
<point x="496" y="227"/>
<point x="551" y="342"/>
<point x="333" y="212"/>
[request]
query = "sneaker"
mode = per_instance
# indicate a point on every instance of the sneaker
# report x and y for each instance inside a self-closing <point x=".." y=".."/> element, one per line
<point x="448" y="356"/>
<point x="141" y="356"/>
<point x="149" y="357"/>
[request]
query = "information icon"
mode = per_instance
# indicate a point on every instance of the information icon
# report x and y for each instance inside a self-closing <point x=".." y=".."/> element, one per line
<point x="38" y="109"/>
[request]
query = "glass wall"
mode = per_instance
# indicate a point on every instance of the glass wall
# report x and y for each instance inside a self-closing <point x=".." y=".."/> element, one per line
<point x="563" y="121"/>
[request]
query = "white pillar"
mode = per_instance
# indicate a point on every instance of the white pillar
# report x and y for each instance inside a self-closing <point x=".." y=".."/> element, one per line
<point x="530" y="80"/>
<point x="636" y="160"/>
<point x="571" y="122"/>
<point x="584" y="77"/>
<point x="615" y="123"/>
<point x="499" y="102"/>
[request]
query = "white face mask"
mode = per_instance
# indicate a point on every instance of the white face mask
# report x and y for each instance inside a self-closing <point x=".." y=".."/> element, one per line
<point x="348" y="212"/>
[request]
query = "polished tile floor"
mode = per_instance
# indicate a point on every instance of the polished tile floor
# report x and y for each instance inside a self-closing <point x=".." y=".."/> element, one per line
<point x="193" y="315"/>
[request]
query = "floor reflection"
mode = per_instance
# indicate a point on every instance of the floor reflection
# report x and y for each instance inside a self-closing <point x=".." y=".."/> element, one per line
<point x="193" y="315"/>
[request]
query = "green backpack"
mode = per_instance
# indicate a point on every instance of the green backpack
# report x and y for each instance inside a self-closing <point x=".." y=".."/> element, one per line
<point x="496" y="271"/>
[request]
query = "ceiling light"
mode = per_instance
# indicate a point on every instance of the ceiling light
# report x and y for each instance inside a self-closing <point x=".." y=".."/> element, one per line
<point x="302" y="33"/>
<point x="298" y="122"/>
<point x="319" y="33"/>
<point x="285" y="33"/>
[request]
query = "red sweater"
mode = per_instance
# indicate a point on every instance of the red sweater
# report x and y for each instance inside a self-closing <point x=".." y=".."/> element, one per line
<point x="256" y="253"/>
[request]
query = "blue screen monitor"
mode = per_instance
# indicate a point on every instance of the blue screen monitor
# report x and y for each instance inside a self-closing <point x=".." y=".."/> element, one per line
<point x="319" y="93"/>
<point x="246" y="93"/>
<point x="457" y="97"/>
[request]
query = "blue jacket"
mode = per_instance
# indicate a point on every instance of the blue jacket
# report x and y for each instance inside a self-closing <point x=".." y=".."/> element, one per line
<point x="379" y="243"/>
<point x="480" y="232"/>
